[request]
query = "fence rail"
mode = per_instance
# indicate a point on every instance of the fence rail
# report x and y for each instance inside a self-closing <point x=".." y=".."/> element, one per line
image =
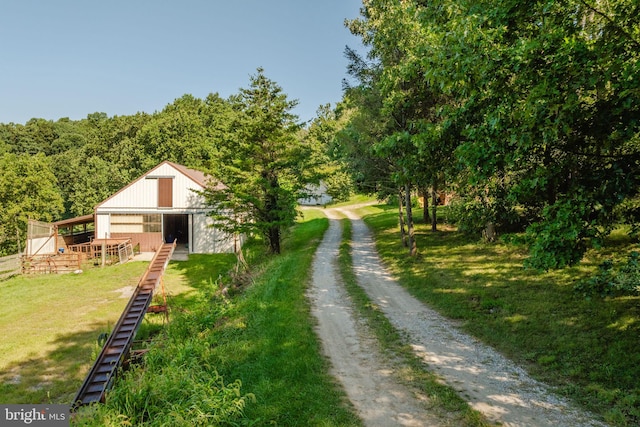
<point x="9" y="266"/>
<point x="51" y="264"/>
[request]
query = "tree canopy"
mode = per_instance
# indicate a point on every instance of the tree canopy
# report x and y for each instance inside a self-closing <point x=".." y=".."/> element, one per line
<point x="28" y="190"/>
<point x="530" y="111"/>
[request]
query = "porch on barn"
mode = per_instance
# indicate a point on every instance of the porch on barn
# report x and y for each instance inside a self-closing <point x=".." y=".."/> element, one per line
<point x="148" y="232"/>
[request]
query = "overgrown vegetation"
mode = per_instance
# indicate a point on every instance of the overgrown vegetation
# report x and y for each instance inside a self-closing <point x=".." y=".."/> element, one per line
<point x="610" y="281"/>
<point x="178" y="383"/>
<point x="246" y="356"/>
<point x="586" y="348"/>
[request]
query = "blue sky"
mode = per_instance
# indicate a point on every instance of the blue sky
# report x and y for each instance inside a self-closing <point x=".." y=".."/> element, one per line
<point x="70" y="58"/>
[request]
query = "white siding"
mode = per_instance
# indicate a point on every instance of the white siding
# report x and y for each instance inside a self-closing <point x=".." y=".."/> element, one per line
<point x="317" y="195"/>
<point x="143" y="193"/>
<point x="141" y="197"/>
<point x="102" y="226"/>
<point x="41" y="246"/>
<point x="207" y="239"/>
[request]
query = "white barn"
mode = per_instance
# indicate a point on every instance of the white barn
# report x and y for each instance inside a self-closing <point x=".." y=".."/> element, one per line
<point x="160" y="206"/>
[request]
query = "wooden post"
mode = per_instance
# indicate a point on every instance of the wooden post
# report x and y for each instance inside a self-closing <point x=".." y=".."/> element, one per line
<point x="18" y="239"/>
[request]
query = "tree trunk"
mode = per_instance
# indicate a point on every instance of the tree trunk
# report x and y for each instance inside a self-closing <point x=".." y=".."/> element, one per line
<point x="413" y="249"/>
<point x="490" y="232"/>
<point x="425" y="205"/>
<point x="272" y="213"/>
<point x="403" y="234"/>
<point x="434" y="207"/>
<point x="241" y="263"/>
<point x="274" y="239"/>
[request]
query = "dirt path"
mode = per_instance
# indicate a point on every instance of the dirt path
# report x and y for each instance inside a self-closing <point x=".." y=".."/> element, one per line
<point x="378" y="398"/>
<point x="490" y="383"/>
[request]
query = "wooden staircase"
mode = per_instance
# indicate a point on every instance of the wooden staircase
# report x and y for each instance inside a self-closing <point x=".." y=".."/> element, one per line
<point x="117" y="347"/>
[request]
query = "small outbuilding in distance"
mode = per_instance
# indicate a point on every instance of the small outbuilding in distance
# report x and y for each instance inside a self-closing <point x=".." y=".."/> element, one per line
<point x="160" y="206"/>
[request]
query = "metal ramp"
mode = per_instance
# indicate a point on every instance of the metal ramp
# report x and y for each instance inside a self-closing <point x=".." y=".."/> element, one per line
<point x="116" y="349"/>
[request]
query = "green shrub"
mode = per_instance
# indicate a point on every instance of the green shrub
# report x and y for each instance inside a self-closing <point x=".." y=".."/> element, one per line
<point x="471" y="215"/>
<point x="610" y="281"/>
<point x="178" y="384"/>
<point x="561" y="238"/>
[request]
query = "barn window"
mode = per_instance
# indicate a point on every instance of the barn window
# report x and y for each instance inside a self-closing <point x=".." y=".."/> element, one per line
<point x="136" y="223"/>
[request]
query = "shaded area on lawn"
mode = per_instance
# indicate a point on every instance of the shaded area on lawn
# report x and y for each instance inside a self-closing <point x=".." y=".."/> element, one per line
<point x="56" y="376"/>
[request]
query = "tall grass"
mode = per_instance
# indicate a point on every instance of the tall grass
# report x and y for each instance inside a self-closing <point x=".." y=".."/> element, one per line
<point x="245" y="356"/>
<point x="587" y="349"/>
<point x="274" y="350"/>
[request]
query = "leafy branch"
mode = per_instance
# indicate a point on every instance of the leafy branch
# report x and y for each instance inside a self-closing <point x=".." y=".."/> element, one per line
<point x="612" y="22"/>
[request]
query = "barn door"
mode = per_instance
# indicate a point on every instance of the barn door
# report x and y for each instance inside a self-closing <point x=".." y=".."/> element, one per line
<point x="165" y="192"/>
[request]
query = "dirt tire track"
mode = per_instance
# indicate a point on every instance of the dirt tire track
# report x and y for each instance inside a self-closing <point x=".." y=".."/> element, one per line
<point x="489" y="382"/>
<point x="379" y="400"/>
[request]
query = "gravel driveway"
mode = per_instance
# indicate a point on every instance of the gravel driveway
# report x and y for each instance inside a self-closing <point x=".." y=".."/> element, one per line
<point x="490" y="383"/>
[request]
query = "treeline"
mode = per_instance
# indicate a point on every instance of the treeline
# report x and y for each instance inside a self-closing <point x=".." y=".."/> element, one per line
<point x="58" y="169"/>
<point x="528" y="112"/>
<point x="53" y="170"/>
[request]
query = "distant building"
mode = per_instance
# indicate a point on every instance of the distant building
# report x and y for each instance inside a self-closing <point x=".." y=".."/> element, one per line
<point x="160" y="206"/>
<point x="316" y="195"/>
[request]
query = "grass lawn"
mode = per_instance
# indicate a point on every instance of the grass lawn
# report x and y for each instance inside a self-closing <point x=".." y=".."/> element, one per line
<point x="50" y="325"/>
<point x="588" y="349"/>
<point x="250" y="355"/>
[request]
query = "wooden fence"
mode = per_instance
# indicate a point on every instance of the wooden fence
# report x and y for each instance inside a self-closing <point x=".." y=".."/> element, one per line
<point x="51" y="264"/>
<point x="9" y="266"/>
<point x="116" y="250"/>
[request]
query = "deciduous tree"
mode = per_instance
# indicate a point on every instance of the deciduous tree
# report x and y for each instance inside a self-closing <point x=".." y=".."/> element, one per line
<point x="28" y="190"/>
